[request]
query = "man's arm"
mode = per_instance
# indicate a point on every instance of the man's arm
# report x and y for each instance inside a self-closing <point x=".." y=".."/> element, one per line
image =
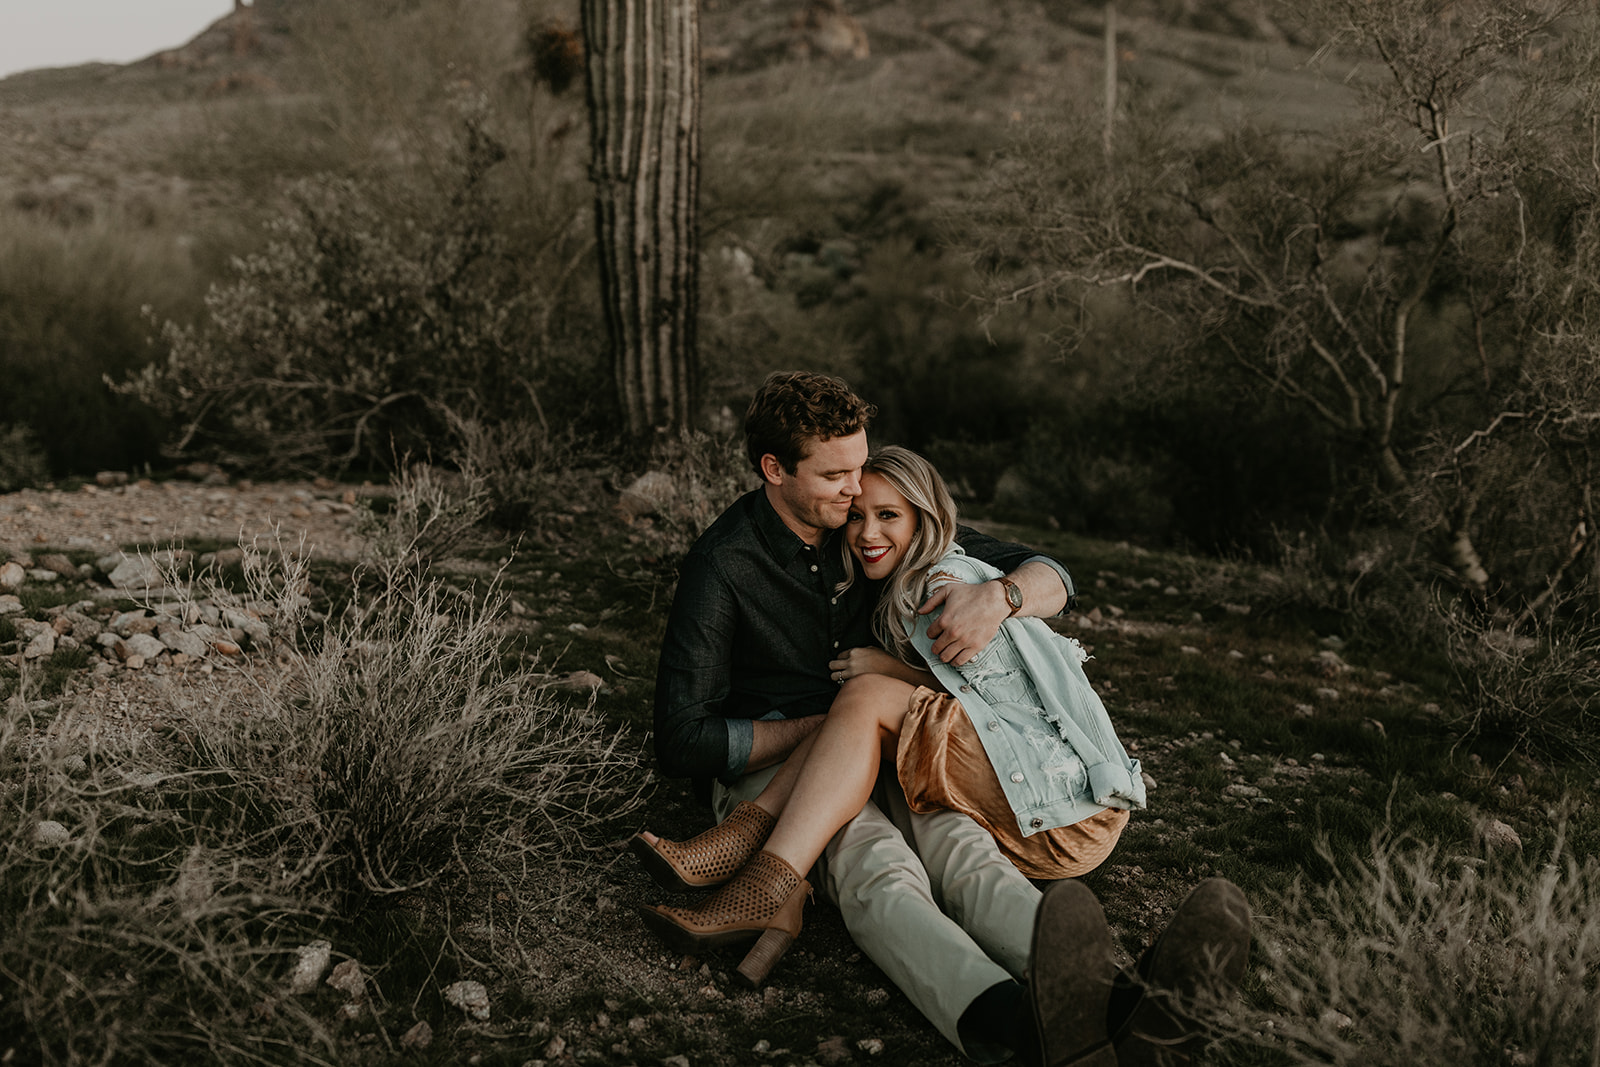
<point x="695" y="675"/>
<point x="973" y="613"/>
<point x="774" y="739"/>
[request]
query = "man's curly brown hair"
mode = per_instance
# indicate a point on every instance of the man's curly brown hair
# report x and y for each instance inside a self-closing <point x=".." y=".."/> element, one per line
<point x="793" y="407"/>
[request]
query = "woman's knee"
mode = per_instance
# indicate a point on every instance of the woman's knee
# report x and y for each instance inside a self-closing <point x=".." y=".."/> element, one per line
<point x="873" y="696"/>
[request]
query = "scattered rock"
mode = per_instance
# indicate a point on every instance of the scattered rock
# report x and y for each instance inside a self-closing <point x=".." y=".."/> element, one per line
<point x="10" y="605"/>
<point x="145" y="646"/>
<point x="1239" y="789"/>
<point x="348" y="979"/>
<point x="187" y="643"/>
<point x="824" y="31"/>
<point x="581" y="682"/>
<point x="833" y="1050"/>
<point x="12" y="575"/>
<point x="1497" y="837"/>
<point x="473" y="999"/>
<point x="871" y="1046"/>
<point x="42" y="644"/>
<point x="1328" y="694"/>
<point x="56" y="563"/>
<point x="49" y="832"/>
<point x="652" y="493"/>
<point x="313" y="960"/>
<point x="419" y="1036"/>
<point x="137" y="573"/>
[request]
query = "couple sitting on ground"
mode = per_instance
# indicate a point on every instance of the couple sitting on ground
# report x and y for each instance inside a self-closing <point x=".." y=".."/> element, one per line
<point x="844" y="586"/>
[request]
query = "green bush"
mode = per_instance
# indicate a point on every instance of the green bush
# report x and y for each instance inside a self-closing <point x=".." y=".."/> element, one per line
<point x="360" y="333"/>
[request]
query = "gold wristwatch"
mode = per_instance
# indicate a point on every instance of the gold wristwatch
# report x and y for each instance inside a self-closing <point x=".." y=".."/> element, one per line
<point x="1013" y="594"/>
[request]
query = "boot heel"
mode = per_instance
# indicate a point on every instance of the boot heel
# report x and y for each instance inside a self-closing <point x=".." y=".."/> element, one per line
<point x="769" y="949"/>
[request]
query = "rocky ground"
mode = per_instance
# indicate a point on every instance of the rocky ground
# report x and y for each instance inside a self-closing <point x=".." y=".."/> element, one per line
<point x="173" y="649"/>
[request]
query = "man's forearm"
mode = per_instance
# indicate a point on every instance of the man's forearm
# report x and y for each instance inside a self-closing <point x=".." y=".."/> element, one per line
<point x="1043" y="595"/>
<point x="776" y="738"/>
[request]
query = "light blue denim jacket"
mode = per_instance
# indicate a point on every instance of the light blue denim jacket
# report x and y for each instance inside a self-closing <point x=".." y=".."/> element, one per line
<point x="1042" y="725"/>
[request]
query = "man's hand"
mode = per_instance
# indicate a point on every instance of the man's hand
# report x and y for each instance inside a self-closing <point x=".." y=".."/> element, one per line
<point x="972" y="616"/>
<point x="973" y="613"/>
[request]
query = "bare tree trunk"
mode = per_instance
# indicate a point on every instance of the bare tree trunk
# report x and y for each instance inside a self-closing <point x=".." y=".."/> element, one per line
<point x="644" y="114"/>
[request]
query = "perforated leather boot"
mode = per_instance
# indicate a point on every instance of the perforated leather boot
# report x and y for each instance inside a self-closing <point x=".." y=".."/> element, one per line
<point x="765" y="901"/>
<point x="707" y="859"/>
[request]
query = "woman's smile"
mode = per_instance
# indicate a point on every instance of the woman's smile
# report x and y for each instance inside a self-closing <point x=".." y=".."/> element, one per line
<point x="880" y="527"/>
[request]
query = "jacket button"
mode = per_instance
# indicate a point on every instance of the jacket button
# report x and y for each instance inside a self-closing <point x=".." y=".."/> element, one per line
<point x="966" y="689"/>
<point x="813" y="568"/>
<point x="993" y="725"/>
<point x="1016" y="776"/>
<point x="1036" y="823"/>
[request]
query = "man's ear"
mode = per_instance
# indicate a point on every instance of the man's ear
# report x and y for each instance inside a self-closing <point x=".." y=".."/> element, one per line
<point x="771" y="469"/>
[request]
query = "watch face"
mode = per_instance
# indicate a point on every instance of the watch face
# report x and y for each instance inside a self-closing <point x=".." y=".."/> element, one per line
<point x="1013" y="596"/>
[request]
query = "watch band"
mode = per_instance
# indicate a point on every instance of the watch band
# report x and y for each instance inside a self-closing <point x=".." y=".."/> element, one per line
<point x="1013" y="594"/>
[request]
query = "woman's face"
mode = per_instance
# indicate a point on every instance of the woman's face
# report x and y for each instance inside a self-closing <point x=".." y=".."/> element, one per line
<point x="880" y="526"/>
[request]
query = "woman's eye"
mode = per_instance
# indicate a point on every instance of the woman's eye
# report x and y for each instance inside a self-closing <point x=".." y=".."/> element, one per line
<point x="854" y="516"/>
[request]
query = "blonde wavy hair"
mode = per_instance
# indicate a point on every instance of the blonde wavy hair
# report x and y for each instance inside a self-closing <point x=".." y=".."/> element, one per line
<point x="916" y="480"/>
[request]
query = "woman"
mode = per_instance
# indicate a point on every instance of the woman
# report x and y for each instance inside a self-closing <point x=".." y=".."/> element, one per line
<point x="1015" y="738"/>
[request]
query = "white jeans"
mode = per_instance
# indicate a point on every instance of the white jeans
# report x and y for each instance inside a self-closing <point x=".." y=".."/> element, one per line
<point x="929" y="898"/>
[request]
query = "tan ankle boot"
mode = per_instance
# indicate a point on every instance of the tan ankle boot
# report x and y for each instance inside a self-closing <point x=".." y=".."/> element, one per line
<point x="766" y="899"/>
<point x="710" y="858"/>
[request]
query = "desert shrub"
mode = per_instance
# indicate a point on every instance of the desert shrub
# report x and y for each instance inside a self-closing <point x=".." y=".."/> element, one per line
<point x="522" y="465"/>
<point x="403" y="751"/>
<point x="431" y="514"/>
<point x="1533" y="683"/>
<point x="22" y="461"/>
<point x="358" y="333"/>
<point x="1413" y="956"/>
<point x="708" y="472"/>
<point x="70" y="313"/>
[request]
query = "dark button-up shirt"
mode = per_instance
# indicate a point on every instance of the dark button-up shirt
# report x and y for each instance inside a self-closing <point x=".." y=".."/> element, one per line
<point x="755" y="620"/>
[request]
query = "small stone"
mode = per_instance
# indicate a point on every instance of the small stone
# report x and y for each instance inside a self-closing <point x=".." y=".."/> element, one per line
<point x="189" y="644"/>
<point x="871" y="1046"/>
<point x="472" y="998"/>
<point x="676" y="1061"/>
<point x="650" y="494"/>
<point x="419" y="1036"/>
<point x="49" y="832"/>
<point x="348" y="979"/>
<point x="313" y="960"/>
<point x="558" y="1045"/>
<point x="12" y="575"/>
<point x="1239" y="789"/>
<point x="581" y="682"/>
<point x="110" y="479"/>
<point x="1188" y="650"/>
<point x="147" y="646"/>
<point x="137" y="574"/>
<point x="42" y="645"/>
<point x="10" y="605"/>
<point x="1497" y="836"/>
<point x="134" y="663"/>
<point x="1328" y="694"/>
<point x="833" y="1050"/>
<point x="39" y="574"/>
<point x="1149" y="787"/>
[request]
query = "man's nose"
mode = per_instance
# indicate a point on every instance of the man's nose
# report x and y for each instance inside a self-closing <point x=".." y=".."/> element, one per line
<point x="852" y="487"/>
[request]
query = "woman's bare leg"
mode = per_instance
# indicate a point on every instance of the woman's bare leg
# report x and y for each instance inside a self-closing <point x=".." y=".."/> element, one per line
<point x="864" y="724"/>
<point x="838" y="770"/>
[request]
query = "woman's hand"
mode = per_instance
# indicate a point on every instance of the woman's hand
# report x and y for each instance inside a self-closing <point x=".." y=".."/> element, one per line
<point x="857" y="661"/>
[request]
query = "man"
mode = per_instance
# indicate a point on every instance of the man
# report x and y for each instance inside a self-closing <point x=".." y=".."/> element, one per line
<point x="744" y="677"/>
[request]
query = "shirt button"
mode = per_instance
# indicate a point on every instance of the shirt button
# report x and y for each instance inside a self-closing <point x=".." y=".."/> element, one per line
<point x="993" y="725"/>
<point x="836" y="644"/>
<point x="966" y="689"/>
<point x="1016" y="776"/>
<point x="1036" y="823"/>
<point x="835" y="600"/>
<point x="813" y="568"/>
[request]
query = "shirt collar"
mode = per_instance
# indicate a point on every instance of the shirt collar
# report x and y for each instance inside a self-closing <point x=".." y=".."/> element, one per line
<point x="782" y="542"/>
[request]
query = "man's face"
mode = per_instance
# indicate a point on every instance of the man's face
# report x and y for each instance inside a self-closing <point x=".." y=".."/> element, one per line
<point x="816" y="498"/>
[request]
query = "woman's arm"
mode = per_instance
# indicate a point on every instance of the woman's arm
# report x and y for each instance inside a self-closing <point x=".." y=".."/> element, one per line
<point x="857" y="661"/>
